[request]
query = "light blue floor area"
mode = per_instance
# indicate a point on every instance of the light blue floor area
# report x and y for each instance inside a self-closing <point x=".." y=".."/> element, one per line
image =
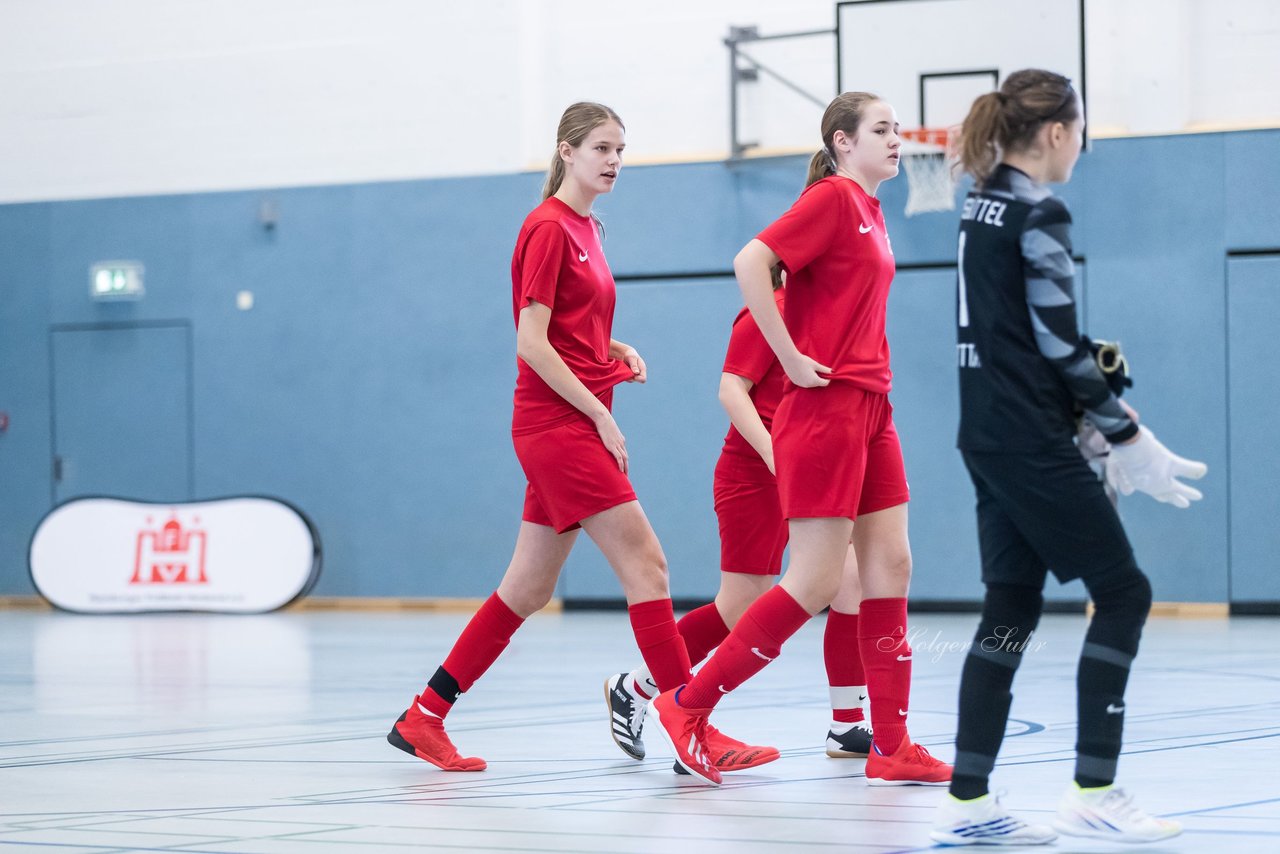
<point x="266" y="734"/>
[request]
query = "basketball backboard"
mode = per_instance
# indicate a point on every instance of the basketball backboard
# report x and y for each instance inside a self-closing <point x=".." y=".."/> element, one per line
<point x="931" y="58"/>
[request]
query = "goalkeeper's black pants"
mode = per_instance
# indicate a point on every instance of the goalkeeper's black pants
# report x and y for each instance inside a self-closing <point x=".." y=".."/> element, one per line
<point x="1040" y="513"/>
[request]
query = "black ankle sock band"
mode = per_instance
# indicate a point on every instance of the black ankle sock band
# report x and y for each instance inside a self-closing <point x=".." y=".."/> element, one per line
<point x="445" y="685"/>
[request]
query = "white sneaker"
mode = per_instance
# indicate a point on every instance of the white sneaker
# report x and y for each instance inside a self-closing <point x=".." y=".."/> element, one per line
<point x="983" y="821"/>
<point x="1108" y="812"/>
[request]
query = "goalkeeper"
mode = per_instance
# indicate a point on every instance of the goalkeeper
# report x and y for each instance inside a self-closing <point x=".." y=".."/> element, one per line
<point x="1025" y="371"/>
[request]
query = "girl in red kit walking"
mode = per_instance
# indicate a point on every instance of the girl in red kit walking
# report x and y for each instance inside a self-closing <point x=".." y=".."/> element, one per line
<point x="571" y="450"/>
<point x="839" y="464"/>
<point x="753" y="535"/>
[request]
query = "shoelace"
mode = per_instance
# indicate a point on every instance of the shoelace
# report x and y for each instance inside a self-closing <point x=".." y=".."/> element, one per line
<point x="1120" y="803"/>
<point x="700" y="735"/>
<point x="635" y="719"/>
<point x="923" y="756"/>
<point x="1014" y="823"/>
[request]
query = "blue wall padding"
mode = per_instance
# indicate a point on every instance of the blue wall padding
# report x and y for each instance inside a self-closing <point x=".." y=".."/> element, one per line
<point x="371" y="382"/>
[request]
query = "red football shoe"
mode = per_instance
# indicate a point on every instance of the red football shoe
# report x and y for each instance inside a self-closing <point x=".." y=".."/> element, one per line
<point x="729" y="754"/>
<point x="909" y="765"/>
<point x="423" y="736"/>
<point x="685" y="731"/>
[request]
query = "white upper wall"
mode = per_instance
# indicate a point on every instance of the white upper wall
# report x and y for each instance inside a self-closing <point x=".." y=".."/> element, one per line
<point x="127" y="97"/>
<point x="1161" y="66"/>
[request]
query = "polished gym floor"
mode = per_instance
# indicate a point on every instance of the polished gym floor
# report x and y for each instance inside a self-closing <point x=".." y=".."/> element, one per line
<point x="266" y="734"/>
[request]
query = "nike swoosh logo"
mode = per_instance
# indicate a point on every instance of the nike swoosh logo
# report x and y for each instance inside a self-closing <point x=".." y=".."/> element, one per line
<point x="757" y="651"/>
<point x="723" y="690"/>
<point x="902" y="712"/>
<point x="904" y="658"/>
<point x="865" y="229"/>
<point x="582" y="256"/>
<point x="1114" y="710"/>
<point x="862" y="697"/>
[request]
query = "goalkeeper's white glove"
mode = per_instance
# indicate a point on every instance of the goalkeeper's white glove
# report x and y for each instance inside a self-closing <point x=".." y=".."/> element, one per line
<point x="1147" y="466"/>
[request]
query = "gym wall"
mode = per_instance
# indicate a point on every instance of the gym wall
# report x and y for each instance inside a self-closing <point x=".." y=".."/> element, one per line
<point x="370" y="383"/>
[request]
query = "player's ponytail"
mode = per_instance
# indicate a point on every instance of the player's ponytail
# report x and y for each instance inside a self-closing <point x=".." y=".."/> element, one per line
<point x="844" y="113"/>
<point x="1008" y="120"/>
<point x="820" y="166"/>
<point x="978" y="135"/>
<point x="775" y="276"/>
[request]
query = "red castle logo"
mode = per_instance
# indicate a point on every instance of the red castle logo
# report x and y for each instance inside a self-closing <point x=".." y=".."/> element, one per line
<point x="171" y="555"/>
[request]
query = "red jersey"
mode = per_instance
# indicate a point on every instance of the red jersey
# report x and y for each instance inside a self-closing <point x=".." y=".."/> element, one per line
<point x="559" y="262"/>
<point x="839" y="264"/>
<point x="750" y="356"/>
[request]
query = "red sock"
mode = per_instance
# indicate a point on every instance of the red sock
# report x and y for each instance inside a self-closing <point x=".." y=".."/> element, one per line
<point x="661" y="646"/>
<point x="886" y="655"/>
<point x="475" y="650"/>
<point x="703" y="630"/>
<point x="756" y="640"/>
<point x="845" y="676"/>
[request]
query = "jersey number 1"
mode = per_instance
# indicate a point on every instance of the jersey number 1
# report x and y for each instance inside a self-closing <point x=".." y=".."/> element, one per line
<point x="964" y="299"/>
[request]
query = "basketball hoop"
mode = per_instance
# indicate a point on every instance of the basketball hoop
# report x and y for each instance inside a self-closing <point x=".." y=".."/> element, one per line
<point x="926" y="157"/>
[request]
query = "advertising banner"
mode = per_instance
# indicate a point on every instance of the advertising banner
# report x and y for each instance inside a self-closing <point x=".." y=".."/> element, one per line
<point x="237" y="555"/>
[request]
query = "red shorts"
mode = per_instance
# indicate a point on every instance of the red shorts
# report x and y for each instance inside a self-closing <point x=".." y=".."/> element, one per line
<point x="753" y="533"/>
<point x="571" y="475"/>
<point x="837" y="453"/>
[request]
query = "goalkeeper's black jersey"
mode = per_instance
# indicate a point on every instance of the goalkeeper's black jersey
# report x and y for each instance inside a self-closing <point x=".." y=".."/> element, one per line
<point x="1023" y="364"/>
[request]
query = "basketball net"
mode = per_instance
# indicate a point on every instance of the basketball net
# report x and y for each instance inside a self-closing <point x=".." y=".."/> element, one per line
<point x="930" y="185"/>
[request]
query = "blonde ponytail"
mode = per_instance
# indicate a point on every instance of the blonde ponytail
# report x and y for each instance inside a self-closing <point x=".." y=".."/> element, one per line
<point x="555" y="176"/>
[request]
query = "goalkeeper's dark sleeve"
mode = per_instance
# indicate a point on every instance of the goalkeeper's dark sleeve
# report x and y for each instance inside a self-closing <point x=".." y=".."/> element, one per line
<point x="1050" y="278"/>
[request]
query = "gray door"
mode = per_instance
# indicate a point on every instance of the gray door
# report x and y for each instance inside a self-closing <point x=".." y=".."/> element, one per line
<point x="122" y="411"/>
<point x="1253" y="305"/>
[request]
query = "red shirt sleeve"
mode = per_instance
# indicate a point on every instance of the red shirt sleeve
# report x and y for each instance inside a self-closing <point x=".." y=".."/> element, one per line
<point x="804" y="232"/>
<point x="749" y="354"/>
<point x="541" y="262"/>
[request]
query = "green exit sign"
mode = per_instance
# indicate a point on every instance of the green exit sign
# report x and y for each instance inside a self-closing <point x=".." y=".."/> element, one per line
<point x="110" y="280"/>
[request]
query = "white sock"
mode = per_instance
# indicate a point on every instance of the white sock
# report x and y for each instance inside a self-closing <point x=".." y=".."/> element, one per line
<point x="641" y="681"/>
<point x="849" y="697"/>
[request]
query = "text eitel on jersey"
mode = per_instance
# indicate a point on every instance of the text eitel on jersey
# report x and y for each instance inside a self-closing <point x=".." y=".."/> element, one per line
<point x="983" y="210"/>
